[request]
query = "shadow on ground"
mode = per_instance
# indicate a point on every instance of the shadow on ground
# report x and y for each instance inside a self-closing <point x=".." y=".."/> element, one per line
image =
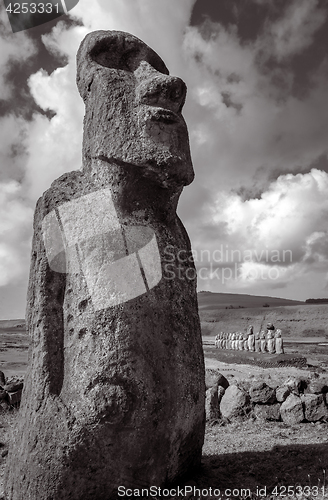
<point x="303" y="465"/>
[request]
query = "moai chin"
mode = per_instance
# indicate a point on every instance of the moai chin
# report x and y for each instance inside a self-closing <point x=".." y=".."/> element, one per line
<point x="114" y="394"/>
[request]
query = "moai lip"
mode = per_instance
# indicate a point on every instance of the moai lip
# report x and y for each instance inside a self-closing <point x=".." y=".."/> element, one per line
<point x="115" y="389"/>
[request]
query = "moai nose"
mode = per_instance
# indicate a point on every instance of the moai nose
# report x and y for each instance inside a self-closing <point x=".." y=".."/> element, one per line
<point x="156" y="89"/>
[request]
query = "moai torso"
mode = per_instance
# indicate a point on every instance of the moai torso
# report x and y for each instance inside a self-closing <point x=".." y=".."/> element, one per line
<point x="270" y="342"/>
<point x="257" y="342"/>
<point x="114" y="393"/>
<point x="245" y="344"/>
<point x="279" y="342"/>
<point x="263" y="341"/>
<point x="251" y="338"/>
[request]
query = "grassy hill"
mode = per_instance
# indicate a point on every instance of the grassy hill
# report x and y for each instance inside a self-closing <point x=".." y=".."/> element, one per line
<point x="8" y="324"/>
<point x="294" y="318"/>
<point x="209" y="301"/>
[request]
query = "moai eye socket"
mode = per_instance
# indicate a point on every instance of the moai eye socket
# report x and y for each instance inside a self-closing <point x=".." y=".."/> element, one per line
<point x="109" y="52"/>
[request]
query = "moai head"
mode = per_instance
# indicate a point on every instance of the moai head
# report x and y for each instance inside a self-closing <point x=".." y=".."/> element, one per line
<point x="278" y="333"/>
<point x="250" y="330"/>
<point x="257" y="335"/>
<point x="133" y="109"/>
<point x="262" y="334"/>
<point x="270" y="326"/>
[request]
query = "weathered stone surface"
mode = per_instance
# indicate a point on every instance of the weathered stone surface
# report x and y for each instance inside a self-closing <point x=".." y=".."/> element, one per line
<point x="267" y="412"/>
<point x="213" y="378"/>
<point x="314" y="407"/>
<point x="2" y="379"/>
<point x="234" y="403"/>
<point x="260" y="392"/>
<point x="282" y="393"/>
<point x="3" y="394"/>
<point x="115" y="390"/>
<point x="291" y="410"/>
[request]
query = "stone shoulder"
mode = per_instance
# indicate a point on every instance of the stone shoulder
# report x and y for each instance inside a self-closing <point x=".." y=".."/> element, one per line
<point x="61" y="190"/>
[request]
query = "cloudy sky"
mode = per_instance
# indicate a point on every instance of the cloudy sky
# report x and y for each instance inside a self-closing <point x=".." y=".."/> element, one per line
<point x="257" y="112"/>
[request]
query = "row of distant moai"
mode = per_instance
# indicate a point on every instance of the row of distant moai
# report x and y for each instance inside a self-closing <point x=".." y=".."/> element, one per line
<point x="270" y="341"/>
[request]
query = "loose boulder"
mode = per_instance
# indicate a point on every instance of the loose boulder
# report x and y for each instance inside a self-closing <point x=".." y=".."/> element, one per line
<point x="267" y="412"/>
<point x="213" y="378"/>
<point x="295" y="384"/>
<point x="314" y="407"/>
<point x="212" y="403"/>
<point x="262" y="393"/>
<point x="317" y="386"/>
<point x="291" y="410"/>
<point x="235" y="403"/>
<point x="282" y="393"/>
<point x="13" y="386"/>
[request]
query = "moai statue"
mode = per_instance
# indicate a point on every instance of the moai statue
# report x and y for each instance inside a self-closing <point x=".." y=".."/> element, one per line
<point x="229" y="342"/>
<point x="270" y="338"/>
<point x="279" y="342"/>
<point x="251" y="338"/>
<point x="233" y="343"/>
<point x="241" y="342"/>
<point x="245" y="340"/>
<point x="257" y="342"/>
<point x="263" y="341"/>
<point x="115" y="389"/>
<point x="216" y="341"/>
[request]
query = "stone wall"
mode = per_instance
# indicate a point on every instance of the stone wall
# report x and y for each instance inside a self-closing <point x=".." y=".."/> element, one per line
<point x="295" y="400"/>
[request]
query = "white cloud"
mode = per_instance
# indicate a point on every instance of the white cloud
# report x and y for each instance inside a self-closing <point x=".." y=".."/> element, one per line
<point x="12" y="152"/>
<point x="273" y="240"/>
<point x="54" y="145"/>
<point x="294" y="32"/>
<point x="13" y="47"/>
<point x="15" y="233"/>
